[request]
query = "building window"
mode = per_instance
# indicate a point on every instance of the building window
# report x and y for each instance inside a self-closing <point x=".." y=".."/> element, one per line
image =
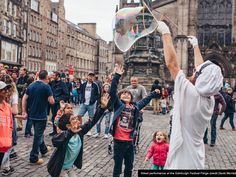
<point x="35" y="5"/>
<point x="5" y="5"/>
<point x="25" y="17"/>
<point x="14" y="30"/>
<point x="14" y="10"/>
<point x="10" y="8"/>
<point x="5" y="26"/>
<point x="9" y="28"/>
<point x="9" y="52"/>
<point x="24" y="34"/>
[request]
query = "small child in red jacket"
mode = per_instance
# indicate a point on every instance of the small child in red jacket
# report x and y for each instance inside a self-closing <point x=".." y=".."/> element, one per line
<point x="158" y="150"/>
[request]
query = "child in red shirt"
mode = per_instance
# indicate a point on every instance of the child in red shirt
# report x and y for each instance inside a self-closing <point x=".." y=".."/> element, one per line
<point x="158" y="150"/>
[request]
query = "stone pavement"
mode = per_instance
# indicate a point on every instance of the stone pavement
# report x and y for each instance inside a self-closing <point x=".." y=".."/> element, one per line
<point x="97" y="162"/>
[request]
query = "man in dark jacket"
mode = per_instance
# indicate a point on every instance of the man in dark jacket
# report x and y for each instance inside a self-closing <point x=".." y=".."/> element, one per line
<point x="21" y="86"/>
<point x="89" y="95"/>
<point x="230" y="109"/>
<point x="219" y="99"/>
<point x="156" y="100"/>
<point x="60" y="92"/>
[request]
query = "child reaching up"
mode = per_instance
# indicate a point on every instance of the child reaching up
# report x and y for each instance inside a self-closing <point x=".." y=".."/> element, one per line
<point x="124" y="124"/>
<point x="158" y="150"/>
<point x="69" y="142"/>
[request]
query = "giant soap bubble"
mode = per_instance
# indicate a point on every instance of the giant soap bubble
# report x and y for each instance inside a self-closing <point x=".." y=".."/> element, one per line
<point x="131" y="24"/>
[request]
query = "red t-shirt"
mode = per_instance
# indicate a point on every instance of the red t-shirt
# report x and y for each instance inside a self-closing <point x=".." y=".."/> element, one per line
<point x="124" y="124"/>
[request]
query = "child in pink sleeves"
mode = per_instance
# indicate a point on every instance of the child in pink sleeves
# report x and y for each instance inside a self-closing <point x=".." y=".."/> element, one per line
<point x="158" y="150"/>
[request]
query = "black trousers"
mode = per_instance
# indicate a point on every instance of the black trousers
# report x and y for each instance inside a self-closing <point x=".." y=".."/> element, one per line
<point x="123" y="152"/>
<point x="1" y="157"/>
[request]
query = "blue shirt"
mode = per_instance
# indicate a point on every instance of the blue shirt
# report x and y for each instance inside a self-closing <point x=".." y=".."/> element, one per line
<point x="37" y="103"/>
<point x="72" y="151"/>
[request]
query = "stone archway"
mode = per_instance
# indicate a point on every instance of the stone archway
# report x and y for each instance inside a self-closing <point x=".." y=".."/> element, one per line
<point x="222" y="62"/>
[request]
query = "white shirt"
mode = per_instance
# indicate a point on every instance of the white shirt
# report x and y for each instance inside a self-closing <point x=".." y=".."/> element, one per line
<point x="191" y="116"/>
<point x="88" y="90"/>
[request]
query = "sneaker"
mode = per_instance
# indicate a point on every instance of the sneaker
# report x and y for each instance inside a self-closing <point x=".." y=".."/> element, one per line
<point x="89" y="133"/>
<point x="18" y="129"/>
<point x="7" y="172"/>
<point x="212" y="145"/>
<point x="47" y="153"/>
<point x="106" y="136"/>
<point x="52" y="134"/>
<point x="96" y="135"/>
<point x="39" y="162"/>
<point x="13" y="155"/>
<point x="27" y="136"/>
<point x="71" y="172"/>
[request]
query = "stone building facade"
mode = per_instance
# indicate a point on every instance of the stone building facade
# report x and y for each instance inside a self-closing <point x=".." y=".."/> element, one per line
<point x="13" y="19"/>
<point x="36" y="34"/>
<point x="102" y="58"/>
<point x="213" y="22"/>
<point x="80" y="50"/>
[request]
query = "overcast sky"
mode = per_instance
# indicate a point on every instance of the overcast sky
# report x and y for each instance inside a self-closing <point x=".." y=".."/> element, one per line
<point x="94" y="11"/>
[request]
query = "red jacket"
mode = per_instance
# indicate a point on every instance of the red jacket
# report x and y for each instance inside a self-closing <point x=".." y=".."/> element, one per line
<point x="159" y="152"/>
<point x="5" y="127"/>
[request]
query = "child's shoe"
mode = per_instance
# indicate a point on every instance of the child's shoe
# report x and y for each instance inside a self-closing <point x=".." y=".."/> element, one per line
<point x="7" y="172"/>
<point x="96" y="135"/>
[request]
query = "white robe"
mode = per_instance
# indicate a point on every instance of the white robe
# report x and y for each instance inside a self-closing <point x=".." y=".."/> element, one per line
<point x="191" y="115"/>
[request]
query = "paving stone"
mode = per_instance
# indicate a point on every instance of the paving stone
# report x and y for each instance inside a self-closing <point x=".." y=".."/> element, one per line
<point x="97" y="162"/>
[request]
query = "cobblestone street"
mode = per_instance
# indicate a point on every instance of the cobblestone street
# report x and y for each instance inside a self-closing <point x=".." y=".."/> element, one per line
<point x="97" y="162"/>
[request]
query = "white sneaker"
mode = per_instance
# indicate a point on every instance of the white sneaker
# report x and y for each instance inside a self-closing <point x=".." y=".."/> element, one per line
<point x="96" y="135"/>
<point x="64" y="173"/>
<point x="106" y="136"/>
<point x="89" y="133"/>
<point x="72" y="173"/>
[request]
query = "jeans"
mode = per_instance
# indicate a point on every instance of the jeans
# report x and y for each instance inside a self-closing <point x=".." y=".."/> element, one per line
<point x="163" y="110"/>
<point x="38" y="143"/>
<point x="28" y="127"/>
<point x="123" y="150"/>
<point x="231" y="120"/>
<point x="213" y="130"/>
<point x="156" y="105"/>
<point x="54" y="109"/>
<point x="84" y="108"/>
<point x="107" y="116"/>
<point x="14" y="132"/>
<point x="75" y="99"/>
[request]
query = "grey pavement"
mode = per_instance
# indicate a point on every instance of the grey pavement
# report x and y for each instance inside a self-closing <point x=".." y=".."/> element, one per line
<point x="98" y="163"/>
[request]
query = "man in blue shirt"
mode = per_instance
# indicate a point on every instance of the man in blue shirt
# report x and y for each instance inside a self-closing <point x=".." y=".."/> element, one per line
<point x="35" y="104"/>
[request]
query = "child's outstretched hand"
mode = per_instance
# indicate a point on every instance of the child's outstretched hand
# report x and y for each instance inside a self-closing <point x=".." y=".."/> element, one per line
<point x="104" y="100"/>
<point x="157" y="91"/>
<point x="146" y="159"/>
<point x="119" y="69"/>
<point x="62" y="104"/>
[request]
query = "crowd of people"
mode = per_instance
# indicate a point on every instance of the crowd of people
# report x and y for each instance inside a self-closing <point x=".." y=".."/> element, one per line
<point x="39" y="98"/>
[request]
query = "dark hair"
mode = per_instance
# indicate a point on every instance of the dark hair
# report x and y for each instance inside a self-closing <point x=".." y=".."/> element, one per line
<point x="24" y="68"/>
<point x="64" y="121"/>
<point x="156" y="82"/>
<point x="164" y="134"/>
<point x="57" y="74"/>
<point x="43" y="74"/>
<point x="125" y="91"/>
<point x="91" y="74"/>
